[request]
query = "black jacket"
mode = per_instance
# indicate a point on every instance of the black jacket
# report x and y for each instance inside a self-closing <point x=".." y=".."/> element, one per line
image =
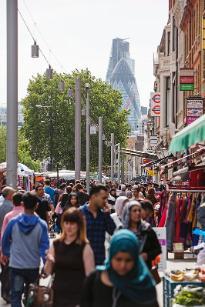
<point x="151" y="245"/>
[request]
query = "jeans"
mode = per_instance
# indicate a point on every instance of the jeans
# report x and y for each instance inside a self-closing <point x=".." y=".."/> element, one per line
<point x="5" y="283"/>
<point x="20" y="280"/>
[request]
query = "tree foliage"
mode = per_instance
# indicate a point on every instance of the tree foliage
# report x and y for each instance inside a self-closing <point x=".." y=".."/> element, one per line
<point x="24" y="155"/>
<point x="50" y="119"/>
<point x="2" y="144"/>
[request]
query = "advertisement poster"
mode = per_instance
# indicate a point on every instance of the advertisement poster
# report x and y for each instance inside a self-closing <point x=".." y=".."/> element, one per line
<point x="162" y="237"/>
<point x="194" y="109"/>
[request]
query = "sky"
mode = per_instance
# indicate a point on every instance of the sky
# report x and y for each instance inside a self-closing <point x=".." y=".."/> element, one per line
<point x="78" y="34"/>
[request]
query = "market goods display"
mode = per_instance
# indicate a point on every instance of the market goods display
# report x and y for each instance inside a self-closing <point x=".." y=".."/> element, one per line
<point x="189" y="296"/>
<point x="187" y="275"/>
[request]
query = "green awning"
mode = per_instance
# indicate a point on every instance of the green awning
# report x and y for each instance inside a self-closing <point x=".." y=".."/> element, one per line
<point x="190" y="135"/>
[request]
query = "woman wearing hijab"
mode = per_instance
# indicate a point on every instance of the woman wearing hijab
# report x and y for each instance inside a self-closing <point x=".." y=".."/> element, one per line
<point x="119" y="207"/>
<point x="149" y="245"/>
<point x="124" y="280"/>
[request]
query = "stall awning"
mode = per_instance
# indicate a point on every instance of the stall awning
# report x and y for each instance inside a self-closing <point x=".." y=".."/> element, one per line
<point x="188" y="136"/>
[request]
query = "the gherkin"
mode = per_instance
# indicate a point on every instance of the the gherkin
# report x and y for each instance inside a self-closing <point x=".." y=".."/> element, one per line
<point x="121" y="76"/>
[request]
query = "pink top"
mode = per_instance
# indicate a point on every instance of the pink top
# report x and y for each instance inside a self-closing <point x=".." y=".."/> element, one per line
<point x="16" y="211"/>
<point x="58" y="209"/>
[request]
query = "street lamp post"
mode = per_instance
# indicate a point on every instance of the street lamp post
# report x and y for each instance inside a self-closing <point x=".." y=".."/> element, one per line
<point x="112" y="155"/>
<point x="12" y="91"/>
<point x="119" y="164"/>
<point x="87" y="86"/>
<point x="100" y="150"/>
<point x="77" y="129"/>
<point x="50" y="130"/>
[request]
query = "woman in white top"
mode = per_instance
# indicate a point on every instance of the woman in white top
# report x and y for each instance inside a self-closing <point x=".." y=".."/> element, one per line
<point x="120" y="204"/>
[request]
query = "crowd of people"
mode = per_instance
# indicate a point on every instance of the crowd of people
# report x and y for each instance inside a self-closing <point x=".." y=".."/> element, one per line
<point x="104" y="249"/>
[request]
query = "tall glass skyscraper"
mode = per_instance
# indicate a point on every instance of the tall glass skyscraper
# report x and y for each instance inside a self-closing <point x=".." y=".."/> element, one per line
<point x="121" y="75"/>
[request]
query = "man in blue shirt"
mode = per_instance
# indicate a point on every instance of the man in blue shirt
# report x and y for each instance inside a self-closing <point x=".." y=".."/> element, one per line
<point x="98" y="221"/>
<point x="48" y="190"/>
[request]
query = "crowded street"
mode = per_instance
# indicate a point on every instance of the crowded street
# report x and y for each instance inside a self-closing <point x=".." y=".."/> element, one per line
<point x="102" y="153"/>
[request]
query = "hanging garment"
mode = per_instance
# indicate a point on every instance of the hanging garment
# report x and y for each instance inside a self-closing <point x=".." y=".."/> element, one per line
<point x="170" y="222"/>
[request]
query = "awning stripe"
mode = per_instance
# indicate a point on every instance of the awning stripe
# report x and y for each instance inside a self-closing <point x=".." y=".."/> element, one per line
<point x="188" y="136"/>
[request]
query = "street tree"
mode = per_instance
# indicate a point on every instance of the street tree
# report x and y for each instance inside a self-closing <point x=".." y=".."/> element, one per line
<point x="50" y="118"/>
<point x="2" y="144"/>
<point x="24" y="154"/>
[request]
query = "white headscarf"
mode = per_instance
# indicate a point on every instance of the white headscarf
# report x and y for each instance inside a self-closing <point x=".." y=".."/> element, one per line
<point x="119" y="205"/>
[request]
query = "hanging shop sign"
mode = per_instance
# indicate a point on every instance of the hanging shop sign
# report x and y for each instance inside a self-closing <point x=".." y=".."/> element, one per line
<point x="162" y="237"/>
<point x="153" y="141"/>
<point x="186" y="79"/>
<point x="186" y="87"/>
<point x="150" y="172"/>
<point x="194" y="109"/>
<point x="203" y="33"/>
<point x="155" y="104"/>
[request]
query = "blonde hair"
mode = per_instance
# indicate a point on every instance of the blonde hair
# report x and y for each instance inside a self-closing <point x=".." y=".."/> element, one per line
<point x="75" y="216"/>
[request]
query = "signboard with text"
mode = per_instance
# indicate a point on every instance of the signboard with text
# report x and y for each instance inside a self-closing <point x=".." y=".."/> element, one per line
<point x="186" y="79"/>
<point x="162" y="237"/>
<point x="155" y="104"/>
<point x="194" y="109"/>
<point x="153" y="140"/>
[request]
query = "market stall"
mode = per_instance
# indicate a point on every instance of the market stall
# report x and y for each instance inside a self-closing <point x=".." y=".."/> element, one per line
<point x="185" y="193"/>
<point x="25" y="176"/>
<point x="184" y="288"/>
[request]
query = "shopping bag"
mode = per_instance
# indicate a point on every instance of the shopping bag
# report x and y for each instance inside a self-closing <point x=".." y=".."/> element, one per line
<point x="40" y="296"/>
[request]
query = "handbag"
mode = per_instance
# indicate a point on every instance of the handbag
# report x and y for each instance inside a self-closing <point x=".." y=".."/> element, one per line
<point x="40" y="296"/>
<point x="155" y="275"/>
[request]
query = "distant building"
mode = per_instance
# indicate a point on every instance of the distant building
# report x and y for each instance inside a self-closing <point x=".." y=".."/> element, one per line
<point x="121" y="75"/>
<point x="144" y="111"/>
<point x="3" y="116"/>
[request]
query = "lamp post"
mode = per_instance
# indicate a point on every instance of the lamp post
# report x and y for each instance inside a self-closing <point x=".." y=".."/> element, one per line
<point x="12" y="92"/>
<point x="119" y="163"/>
<point x="100" y="148"/>
<point x="87" y="113"/>
<point x="77" y="129"/>
<point x="112" y="155"/>
<point x="50" y="120"/>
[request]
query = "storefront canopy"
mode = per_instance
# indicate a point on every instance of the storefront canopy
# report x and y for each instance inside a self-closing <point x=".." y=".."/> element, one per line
<point x="189" y="136"/>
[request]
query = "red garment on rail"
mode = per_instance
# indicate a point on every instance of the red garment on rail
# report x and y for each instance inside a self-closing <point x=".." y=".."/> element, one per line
<point x="163" y="218"/>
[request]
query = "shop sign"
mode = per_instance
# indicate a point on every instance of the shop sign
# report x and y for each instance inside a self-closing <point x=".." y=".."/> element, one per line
<point x="153" y="141"/>
<point x="203" y="33"/>
<point x="186" y="72"/>
<point x="194" y="109"/>
<point x="155" y="104"/>
<point x="186" y="87"/>
<point x="162" y="237"/>
<point x="186" y="79"/>
<point x="150" y="172"/>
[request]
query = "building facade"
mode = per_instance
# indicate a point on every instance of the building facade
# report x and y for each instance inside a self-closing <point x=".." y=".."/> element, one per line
<point x="3" y="116"/>
<point x="181" y="52"/>
<point x="121" y="75"/>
